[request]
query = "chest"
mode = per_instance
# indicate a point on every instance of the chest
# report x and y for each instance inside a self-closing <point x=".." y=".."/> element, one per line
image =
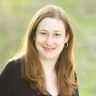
<point x="51" y="84"/>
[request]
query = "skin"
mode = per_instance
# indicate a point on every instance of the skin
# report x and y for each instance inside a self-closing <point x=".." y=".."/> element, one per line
<point x="50" y="38"/>
<point x="49" y="41"/>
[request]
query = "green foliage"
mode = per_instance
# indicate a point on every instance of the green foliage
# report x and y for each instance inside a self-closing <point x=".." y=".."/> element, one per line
<point x="14" y="19"/>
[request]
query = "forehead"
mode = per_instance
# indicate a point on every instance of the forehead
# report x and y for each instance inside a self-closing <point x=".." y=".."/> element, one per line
<point x="51" y="24"/>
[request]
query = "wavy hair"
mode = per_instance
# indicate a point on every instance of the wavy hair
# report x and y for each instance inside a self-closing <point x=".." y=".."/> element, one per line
<point x="32" y="70"/>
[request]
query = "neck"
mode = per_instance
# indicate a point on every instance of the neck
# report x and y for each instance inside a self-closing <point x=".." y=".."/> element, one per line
<point x="50" y="76"/>
<point x="48" y="65"/>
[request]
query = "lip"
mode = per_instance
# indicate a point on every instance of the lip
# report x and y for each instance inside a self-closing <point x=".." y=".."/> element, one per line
<point x="48" y="49"/>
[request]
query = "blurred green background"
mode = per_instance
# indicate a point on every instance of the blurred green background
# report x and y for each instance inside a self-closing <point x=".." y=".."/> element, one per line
<point x="15" y="16"/>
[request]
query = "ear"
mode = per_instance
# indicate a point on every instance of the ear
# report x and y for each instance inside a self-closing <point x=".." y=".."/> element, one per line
<point x="67" y="37"/>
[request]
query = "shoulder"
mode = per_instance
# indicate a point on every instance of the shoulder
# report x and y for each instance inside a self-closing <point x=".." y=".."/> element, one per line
<point x="12" y="69"/>
<point x="11" y="73"/>
<point x="12" y="64"/>
<point x="10" y="76"/>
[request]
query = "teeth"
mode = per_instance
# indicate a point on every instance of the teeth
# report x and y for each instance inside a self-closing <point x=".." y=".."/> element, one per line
<point x="48" y="49"/>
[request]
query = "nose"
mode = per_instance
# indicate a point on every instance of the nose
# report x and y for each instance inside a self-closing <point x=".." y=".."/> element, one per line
<point x="49" y="40"/>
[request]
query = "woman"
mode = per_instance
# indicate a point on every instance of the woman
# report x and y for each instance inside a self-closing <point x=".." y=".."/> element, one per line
<point x="46" y="66"/>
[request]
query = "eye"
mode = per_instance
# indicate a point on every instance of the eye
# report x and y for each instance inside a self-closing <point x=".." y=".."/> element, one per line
<point x="43" y="33"/>
<point x="57" y="34"/>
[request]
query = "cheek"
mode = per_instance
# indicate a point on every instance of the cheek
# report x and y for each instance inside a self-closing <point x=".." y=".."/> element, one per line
<point x="40" y="39"/>
<point x="60" y="44"/>
<point x="60" y="41"/>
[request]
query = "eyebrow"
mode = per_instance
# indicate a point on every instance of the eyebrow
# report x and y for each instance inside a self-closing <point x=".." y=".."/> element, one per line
<point x="47" y="31"/>
<point x="43" y="30"/>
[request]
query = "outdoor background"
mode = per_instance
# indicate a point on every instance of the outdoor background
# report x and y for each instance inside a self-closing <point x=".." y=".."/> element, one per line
<point x="15" y="16"/>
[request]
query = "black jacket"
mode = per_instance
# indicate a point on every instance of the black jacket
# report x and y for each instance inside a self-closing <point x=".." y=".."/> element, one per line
<point x="11" y="83"/>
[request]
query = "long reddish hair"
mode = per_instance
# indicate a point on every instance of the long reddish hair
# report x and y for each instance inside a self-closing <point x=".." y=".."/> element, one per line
<point x="64" y="68"/>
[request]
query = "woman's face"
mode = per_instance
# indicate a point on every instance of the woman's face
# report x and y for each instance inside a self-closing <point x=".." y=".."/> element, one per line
<point x="50" y="38"/>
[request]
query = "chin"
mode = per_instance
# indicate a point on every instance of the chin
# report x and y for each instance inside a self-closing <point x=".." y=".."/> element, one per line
<point x="51" y="57"/>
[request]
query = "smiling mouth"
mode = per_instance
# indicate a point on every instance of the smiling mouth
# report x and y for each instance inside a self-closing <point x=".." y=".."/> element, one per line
<point x="49" y="49"/>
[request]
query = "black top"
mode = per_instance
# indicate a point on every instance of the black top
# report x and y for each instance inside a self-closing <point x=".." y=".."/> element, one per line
<point x="11" y="83"/>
